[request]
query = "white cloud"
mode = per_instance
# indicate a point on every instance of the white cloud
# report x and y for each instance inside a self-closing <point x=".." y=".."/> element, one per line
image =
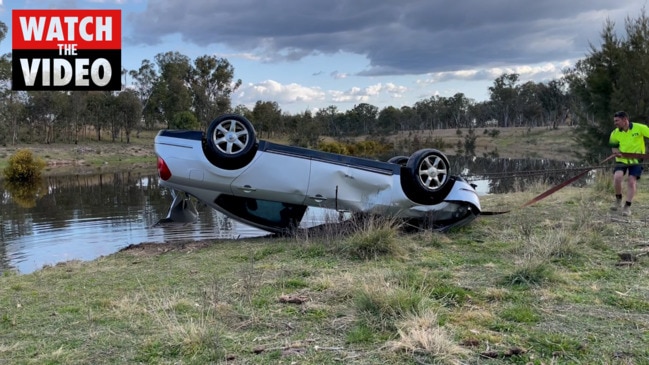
<point x="270" y="90"/>
<point x="338" y="75"/>
<point x="539" y="72"/>
<point x="368" y="94"/>
<point x="288" y="95"/>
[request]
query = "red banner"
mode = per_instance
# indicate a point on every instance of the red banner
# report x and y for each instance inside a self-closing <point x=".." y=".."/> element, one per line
<point x="66" y="49"/>
<point x="47" y="29"/>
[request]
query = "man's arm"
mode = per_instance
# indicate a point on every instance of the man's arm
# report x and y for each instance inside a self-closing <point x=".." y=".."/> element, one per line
<point x="614" y="144"/>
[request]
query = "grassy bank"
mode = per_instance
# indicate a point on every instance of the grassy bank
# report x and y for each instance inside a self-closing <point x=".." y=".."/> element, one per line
<point x="564" y="281"/>
<point x="89" y="154"/>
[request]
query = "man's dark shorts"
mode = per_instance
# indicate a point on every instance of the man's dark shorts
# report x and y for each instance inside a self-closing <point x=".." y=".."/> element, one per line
<point x="634" y="170"/>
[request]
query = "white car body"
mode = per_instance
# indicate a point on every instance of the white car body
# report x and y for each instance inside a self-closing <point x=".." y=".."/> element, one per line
<point x="270" y="186"/>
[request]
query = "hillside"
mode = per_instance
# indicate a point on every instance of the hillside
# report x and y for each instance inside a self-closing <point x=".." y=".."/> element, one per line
<point x="515" y="142"/>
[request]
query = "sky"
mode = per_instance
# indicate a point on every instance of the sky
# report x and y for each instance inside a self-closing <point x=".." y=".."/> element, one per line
<point x="312" y="54"/>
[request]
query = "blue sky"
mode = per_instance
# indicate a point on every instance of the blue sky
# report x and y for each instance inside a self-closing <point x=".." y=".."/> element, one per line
<point x="309" y="54"/>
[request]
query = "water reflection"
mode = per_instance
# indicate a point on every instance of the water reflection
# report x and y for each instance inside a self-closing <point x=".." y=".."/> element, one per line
<point x="25" y="193"/>
<point x="87" y="216"/>
<point x="503" y="175"/>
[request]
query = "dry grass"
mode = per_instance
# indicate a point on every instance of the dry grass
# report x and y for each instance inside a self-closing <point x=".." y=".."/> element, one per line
<point x="421" y="336"/>
<point x="514" y="142"/>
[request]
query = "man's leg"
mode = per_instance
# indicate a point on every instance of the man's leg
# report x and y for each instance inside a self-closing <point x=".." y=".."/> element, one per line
<point x="618" y="177"/>
<point x="631" y="184"/>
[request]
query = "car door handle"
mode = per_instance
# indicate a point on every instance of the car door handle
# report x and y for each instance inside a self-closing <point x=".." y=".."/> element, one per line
<point x="247" y="189"/>
<point x="318" y="198"/>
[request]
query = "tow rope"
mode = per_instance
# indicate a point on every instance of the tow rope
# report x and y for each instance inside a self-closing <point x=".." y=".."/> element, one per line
<point x="556" y="188"/>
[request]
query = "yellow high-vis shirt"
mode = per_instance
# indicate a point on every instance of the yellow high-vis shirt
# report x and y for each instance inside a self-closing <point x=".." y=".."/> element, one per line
<point x="630" y="141"/>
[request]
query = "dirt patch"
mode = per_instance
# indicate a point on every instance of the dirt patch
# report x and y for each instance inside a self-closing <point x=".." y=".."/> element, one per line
<point x="148" y="249"/>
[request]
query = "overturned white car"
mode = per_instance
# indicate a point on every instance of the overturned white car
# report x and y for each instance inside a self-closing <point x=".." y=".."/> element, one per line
<point x="271" y="186"/>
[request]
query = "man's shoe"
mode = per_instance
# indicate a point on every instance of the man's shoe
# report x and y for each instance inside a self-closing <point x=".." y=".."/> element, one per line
<point x="617" y="206"/>
<point x="626" y="211"/>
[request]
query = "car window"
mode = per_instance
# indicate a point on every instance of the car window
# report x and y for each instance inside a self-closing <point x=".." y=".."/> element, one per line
<point x="268" y="213"/>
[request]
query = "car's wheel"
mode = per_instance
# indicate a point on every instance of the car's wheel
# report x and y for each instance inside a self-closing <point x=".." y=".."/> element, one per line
<point x="399" y="160"/>
<point x="429" y="170"/>
<point x="231" y="141"/>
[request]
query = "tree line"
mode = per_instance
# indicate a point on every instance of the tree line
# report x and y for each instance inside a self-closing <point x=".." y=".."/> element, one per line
<point x="173" y="91"/>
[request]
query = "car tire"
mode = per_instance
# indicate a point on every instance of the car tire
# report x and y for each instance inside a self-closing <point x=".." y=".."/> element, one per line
<point x="429" y="170"/>
<point x="399" y="160"/>
<point x="230" y="142"/>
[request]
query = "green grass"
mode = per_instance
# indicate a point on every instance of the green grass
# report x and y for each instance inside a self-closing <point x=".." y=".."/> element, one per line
<point x="540" y="285"/>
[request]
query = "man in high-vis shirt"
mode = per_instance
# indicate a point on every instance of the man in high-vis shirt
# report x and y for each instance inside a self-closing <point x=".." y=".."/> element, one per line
<point x="627" y="137"/>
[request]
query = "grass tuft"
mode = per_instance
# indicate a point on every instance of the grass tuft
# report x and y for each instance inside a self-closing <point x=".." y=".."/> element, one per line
<point x="373" y="238"/>
<point x="381" y="302"/>
<point x="531" y="274"/>
<point x="421" y="336"/>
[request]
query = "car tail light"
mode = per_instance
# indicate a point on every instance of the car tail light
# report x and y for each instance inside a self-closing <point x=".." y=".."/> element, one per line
<point x="163" y="169"/>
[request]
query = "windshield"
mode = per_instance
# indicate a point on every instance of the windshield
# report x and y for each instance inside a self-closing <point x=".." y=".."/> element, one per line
<point x="274" y="216"/>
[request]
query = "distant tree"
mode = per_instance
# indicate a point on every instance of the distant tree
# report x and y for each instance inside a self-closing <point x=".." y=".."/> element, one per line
<point x="612" y="77"/>
<point x="361" y="119"/>
<point x="457" y="108"/>
<point x="427" y="114"/>
<point x="212" y="86"/>
<point x="77" y="113"/>
<point x="98" y="109"/>
<point x="130" y="111"/>
<point x="481" y="112"/>
<point x="242" y="110"/>
<point x="329" y="120"/>
<point x="554" y="101"/>
<point x="304" y="130"/>
<point x="528" y="110"/>
<point x="503" y="96"/>
<point x="388" y="120"/>
<point x="144" y="81"/>
<point x="409" y="118"/>
<point x="171" y="93"/>
<point x="267" y="117"/>
<point x="632" y="93"/>
<point x="12" y="103"/>
<point x="44" y="108"/>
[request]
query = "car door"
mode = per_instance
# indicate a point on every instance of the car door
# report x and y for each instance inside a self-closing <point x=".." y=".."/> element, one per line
<point x="274" y="177"/>
<point x="347" y="187"/>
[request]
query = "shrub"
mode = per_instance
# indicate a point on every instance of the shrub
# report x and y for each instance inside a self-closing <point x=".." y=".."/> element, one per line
<point x="184" y="120"/>
<point x="24" y="167"/>
<point x="334" y="147"/>
<point x="374" y="237"/>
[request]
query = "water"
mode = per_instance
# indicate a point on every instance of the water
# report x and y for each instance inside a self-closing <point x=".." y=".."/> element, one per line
<point x="503" y="175"/>
<point x="85" y="216"/>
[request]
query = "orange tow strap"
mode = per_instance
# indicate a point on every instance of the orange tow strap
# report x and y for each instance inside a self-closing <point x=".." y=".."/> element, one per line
<point x="569" y="181"/>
